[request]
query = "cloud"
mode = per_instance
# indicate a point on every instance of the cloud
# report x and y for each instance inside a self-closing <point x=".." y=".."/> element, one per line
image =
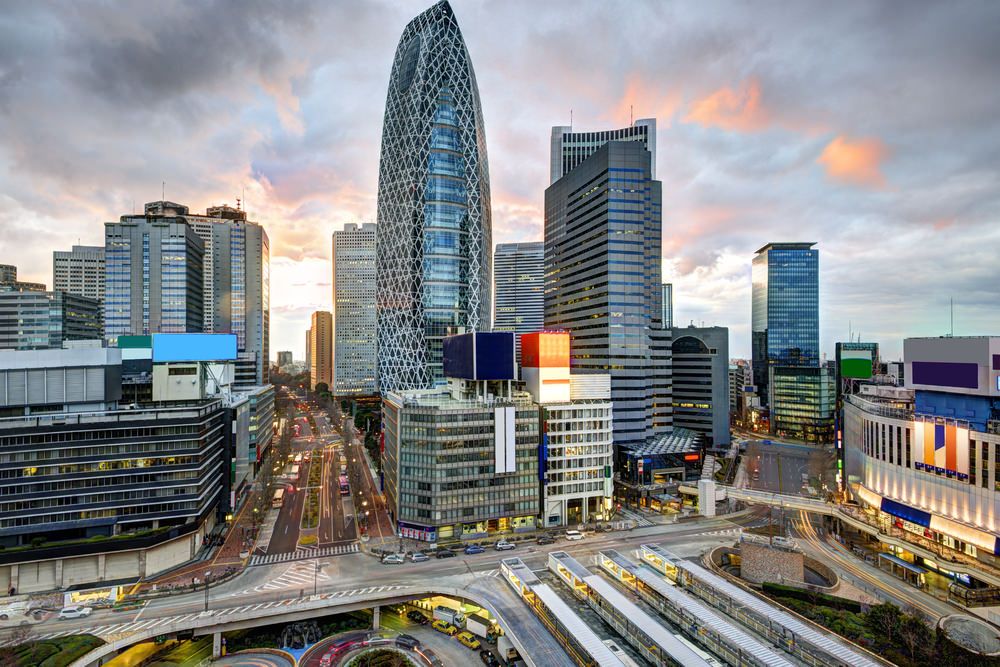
<point x="733" y="110"/>
<point x="856" y="162"/>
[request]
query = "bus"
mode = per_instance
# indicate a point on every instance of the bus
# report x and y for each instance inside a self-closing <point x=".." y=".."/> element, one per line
<point x="345" y="489"/>
<point x="278" y="499"/>
<point x="298" y="458"/>
<point x="294" y="473"/>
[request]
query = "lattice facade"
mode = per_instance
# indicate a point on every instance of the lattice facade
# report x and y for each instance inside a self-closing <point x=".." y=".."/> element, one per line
<point x="434" y="227"/>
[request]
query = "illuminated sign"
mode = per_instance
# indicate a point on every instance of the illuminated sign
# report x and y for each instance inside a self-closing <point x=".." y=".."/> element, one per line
<point x="193" y="347"/>
<point x="692" y="457"/>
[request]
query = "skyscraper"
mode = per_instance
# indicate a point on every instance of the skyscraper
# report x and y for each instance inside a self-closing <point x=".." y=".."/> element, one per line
<point x="434" y="228"/>
<point x="153" y="277"/>
<point x="569" y="148"/>
<point x="603" y="285"/>
<point x="79" y="271"/>
<point x="237" y="286"/>
<point x="37" y="320"/>
<point x="519" y="288"/>
<point x="354" y="319"/>
<point x="700" y="381"/>
<point x="785" y="317"/>
<point x="320" y="349"/>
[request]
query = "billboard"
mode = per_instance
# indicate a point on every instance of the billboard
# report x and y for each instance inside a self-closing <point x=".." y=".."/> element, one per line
<point x="545" y="349"/>
<point x="484" y="355"/>
<point x="856" y="364"/>
<point x="958" y="375"/>
<point x="193" y="347"/>
<point x="942" y="448"/>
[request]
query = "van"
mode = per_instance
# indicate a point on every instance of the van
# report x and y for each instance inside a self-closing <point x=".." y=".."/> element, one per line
<point x="574" y="535"/>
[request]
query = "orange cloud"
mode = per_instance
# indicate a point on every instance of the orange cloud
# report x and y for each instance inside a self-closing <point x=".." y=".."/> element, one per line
<point x="642" y="99"/>
<point x="739" y="110"/>
<point x="856" y="162"/>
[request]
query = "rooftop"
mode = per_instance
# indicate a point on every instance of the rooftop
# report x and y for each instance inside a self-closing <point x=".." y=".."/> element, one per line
<point x="678" y="442"/>
<point x="804" y="245"/>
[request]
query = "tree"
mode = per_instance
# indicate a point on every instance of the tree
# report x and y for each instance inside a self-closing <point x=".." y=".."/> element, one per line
<point x="322" y="388"/>
<point x="884" y="620"/>
<point x="914" y="634"/>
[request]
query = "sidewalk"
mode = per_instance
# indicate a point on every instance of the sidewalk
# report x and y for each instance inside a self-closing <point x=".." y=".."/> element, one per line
<point x="225" y="558"/>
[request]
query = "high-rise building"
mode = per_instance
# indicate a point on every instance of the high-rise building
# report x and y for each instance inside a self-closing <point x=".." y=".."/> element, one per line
<point x="153" y="275"/>
<point x="785" y="310"/>
<point x="34" y="320"/>
<point x="602" y="268"/>
<point x="519" y="288"/>
<point x="237" y="284"/>
<point x="284" y="358"/>
<point x="700" y="381"/>
<point x="668" y="305"/>
<point x="309" y="333"/>
<point x="434" y="226"/>
<point x="924" y="460"/>
<point x="354" y="320"/>
<point x="79" y="271"/>
<point x="569" y="148"/>
<point x="321" y="349"/>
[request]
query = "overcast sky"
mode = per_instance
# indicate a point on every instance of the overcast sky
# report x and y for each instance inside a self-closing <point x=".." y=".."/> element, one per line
<point x="871" y="128"/>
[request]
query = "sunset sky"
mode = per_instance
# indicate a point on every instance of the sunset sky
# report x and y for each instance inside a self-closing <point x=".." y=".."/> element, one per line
<point x="870" y="128"/>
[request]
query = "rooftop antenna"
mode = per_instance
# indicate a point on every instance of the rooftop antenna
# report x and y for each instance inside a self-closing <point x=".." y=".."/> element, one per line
<point x="163" y="190"/>
<point x="952" y="300"/>
<point x="630" y="114"/>
<point x="570" y="120"/>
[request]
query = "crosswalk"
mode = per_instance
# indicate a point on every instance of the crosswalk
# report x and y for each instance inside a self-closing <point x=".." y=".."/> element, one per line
<point x="114" y="631"/>
<point x="298" y="575"/>
<point x="640" y="520"/>
<point x="303" y="553"/>
<point x="724" y="531"/>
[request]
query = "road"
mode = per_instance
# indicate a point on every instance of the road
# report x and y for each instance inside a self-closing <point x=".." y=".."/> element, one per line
<point x="270" y="584"/>
<point x="781" y="466"/>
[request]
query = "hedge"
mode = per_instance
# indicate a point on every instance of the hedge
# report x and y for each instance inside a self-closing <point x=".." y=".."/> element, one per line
<point x="805" y="595"/>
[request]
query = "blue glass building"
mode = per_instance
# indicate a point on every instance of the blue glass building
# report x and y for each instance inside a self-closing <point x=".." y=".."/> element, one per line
<point x="434" y="231"/>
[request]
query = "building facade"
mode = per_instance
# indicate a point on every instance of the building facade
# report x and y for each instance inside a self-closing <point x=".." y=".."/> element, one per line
<point x="568" y="148"/>
<point x="34" y="320"/>
<point x="924" y="461"/>
<point x="803" y="404"/>
<point x="284" y="358"/>
<point x="785" y="310"/>
<point x="154" y="276"/>
<point x="354" y="320"/>
<point x="700" y="374"/>
<point x="434" y="225"/>
<point x="603" y="268"/>
<point x="519" y="288"/>
<point x="8" y="280"/>
<point x="79" y="271"/>
<point x="321" y="349"/>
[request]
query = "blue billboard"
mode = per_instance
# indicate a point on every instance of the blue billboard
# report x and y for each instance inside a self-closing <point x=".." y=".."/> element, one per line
<point x="193" y="347"/>
<point x="484" y="355"/>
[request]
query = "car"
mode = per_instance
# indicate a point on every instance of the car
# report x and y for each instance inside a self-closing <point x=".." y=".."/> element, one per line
<point x="392" y="559"/>
<point x="419" y="557"/>
<point x="417" y="617"/>
<point x="503" y="545"/>
<point x="574" y="535"/>
<point x="444" y="627"/>
<point x="444" y="553"/>
<point x="407" y="642"/>
<point x="488" y="658"/>
<point x="74" y="612"/>
<point x="546" y="539"/>
<point x="473" y="549"/>
<point x="468" y="640"/>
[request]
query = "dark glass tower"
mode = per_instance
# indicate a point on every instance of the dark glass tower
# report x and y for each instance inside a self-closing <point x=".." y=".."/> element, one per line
<point x="434" y="229"/>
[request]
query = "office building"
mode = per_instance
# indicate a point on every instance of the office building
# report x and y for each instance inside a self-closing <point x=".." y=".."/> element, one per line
<point x="602" y="268"/>
<point x="309" y="350"/>
<point x="237" y="284"/>
<point x="37" y="320"/>
<point x="284" y="358"/>
<point x="519" y="288"/>
<point x="700" y="372"/>
<point x="79" y="271"/>
<point x="153" y="275"/>
<point x="857" y="364"/>
<point x="668" y="305"/>
<point x="575" y="427"/>
<point x="568" y="148"/>
<point x="924" y="460"/>
<point x="155" y="477"/>
<point x="8" y="280"/>
<point x="434" y="227"/>
<point x="803" y="403"/>
<point x="785" y="310"/>
<point x="461" y="461"/>
<point x="321" y="349"/>
<point x="651" y="474"/>
<point x="354" y="320"/>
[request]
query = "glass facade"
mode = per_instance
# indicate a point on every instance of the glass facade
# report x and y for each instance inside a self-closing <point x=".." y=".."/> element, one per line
<point x="803" y="401"/>
<point x="785" y="310"/>
<point x="434" y="229"/>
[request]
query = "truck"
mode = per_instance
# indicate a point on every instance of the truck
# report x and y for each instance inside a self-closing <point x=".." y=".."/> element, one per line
<point x="506" y="651"/>
<point x="449" y="615"/>
<point x="478" y="625"/>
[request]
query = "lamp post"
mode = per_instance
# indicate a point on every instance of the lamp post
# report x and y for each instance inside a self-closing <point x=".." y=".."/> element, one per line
<point x="316" y="568"/>
<point x="207" y="575"/>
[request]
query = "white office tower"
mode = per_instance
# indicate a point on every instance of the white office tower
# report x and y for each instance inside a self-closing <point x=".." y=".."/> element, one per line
<point x="354" y="318"/>
<point x="519" y="288"/>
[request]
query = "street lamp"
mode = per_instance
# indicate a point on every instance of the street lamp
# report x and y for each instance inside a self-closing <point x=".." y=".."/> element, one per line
<point x="207" y="575"/>
<point x="316" y="568"/>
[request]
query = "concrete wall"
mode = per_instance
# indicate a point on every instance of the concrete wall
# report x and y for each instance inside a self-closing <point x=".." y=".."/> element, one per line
<point x="760" y="563"/>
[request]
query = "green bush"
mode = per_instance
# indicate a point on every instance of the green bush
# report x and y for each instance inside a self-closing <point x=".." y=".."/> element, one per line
<point x="812" y="597"/>
<point x="55" y="652"/>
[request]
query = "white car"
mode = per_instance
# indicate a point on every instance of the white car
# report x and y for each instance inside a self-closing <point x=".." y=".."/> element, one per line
<point x="74" y="612"/>
<point x="574" y="535"/>
<point x="392" y="559"/>
<point x="419" y="557"/>
<point x="503" y="545"/>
